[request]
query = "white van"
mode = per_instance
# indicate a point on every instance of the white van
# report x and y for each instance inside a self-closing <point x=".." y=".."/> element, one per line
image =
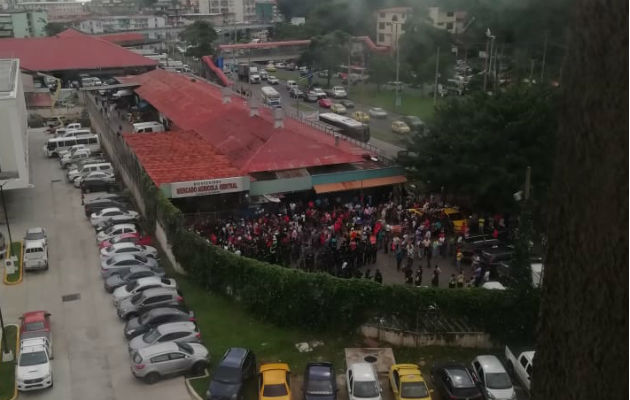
<point x="146" y="127"/>
<point x="87" y="168"/>
<point x="35" y="255"/>
<point x="74" y="125"/>
<point x="291" y="85"/>
<point x="55" y="145"/>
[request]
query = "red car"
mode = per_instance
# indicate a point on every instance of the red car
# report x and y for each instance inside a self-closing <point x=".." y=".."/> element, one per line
<point x="35" y="323"/>
<point x="326" y="103"/>
<point x="135" y="238"/>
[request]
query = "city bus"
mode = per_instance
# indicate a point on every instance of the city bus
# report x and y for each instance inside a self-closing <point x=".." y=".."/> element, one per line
<point x="347" y="126"/>
<point x="270" y="96"/>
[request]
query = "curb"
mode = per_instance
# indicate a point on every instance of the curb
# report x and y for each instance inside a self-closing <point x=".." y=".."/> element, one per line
<point x="190" y="389"/>
<point x="21" y="271"/>
<point x="17" y="349"/>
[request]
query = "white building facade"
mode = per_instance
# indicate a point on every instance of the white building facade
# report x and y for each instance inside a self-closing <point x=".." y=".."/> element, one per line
<point x="56" y="10"/>
<point x="389" y="25"/>
<point x="236" y="11"/>
<point x="121" y="23"/>
<point x="13" y="136"/>
<point x="452" y="21"/>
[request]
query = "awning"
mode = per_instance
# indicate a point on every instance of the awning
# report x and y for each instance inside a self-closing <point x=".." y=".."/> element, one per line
<point x="360" y="184"/>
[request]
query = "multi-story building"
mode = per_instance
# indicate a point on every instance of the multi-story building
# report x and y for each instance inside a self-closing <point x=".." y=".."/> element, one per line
<point x="56" y="10"/>
<point x="119" y="23"/>
<point x="452" y="21"/>
<point x="389" y="25"/>
<point x="22" y="23"/>
<point x="236" y="11"/>
<point x="13" y="138"/>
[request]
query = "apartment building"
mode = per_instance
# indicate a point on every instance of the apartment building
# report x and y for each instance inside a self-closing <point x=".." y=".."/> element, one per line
<point x="120" y="23"/>
<point x="236" y="11"/>
<point x="452" y="21"/>
<point x="389" y="25"/>
<point x="22" y="23"/>
<point x="56" y="10"/>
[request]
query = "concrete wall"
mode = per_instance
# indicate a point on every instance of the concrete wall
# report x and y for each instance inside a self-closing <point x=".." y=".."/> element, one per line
<point x="396" y="337"/>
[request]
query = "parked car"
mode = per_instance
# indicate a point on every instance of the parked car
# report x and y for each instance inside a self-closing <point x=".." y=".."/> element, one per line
<point x="272" y="80"/>
<point x="338" y="108"/>
<point x="274" y="382"/>
<point x="182" y="332"/>
<point x="94" y="175"/>
<point x="97" y="184"/>
<point x="33" y="370"/>
<point x="101" y="204"/>
<point x="171" y="358"/>
<point x="35" y="255"/>
<point x="407" y="382"/>
<point x="377" y="112"/>
<point x="112" y="213"/>
<point x="148" y="300"/>
<point x="36" y="324"/>
<point x="325" y="103"/>
<point x="116" y="230"/>
<point x="104" y="225"/>
<point x="493" y="378"/>
<point x="347" y="103"/>
<point x="320" y="381"/>
<point x="496" y="253"/>
<point x="236" y="367"/>
<point x="146" y="321"/>
<point x="141" y="284"/>
<point x="134" y="237"/>
<point x="120" y="279"/>
<point x="362" y="382"/>
<point x="109" y="265"/>
<point x="361" y="116"/>
<point x="521" y="363"/>
<point x="36" y="234"/>
<point x="107" y="196"/>
<point x="400" y="127"/>
<point x="338" y="92"/>
<point x="129" y="248"/>
<point x="454" y="381"/>
<point x="73" y="157"/>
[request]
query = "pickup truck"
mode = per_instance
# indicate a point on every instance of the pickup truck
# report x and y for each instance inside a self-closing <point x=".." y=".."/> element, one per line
<point x="520" y="363"/>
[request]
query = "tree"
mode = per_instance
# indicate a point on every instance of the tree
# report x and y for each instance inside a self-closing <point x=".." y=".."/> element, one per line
<point x="382" y="70"/>
<point x="327" y="52"/>
<point x="200" y="35"/>
<point x="582" y="341"/>
<point x="479" y="146"/>
<point x="53" y="28"/>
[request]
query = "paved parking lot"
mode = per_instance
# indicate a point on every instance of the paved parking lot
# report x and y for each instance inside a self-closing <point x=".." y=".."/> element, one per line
<point x="91" y="359"/>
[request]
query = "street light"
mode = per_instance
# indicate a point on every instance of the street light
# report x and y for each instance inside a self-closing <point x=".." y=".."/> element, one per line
<point x="490" y="44"/>
<point x="7" y="353"/>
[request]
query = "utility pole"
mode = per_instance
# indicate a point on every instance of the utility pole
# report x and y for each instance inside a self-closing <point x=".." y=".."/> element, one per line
<point x="528" y="182"/>
<point x="437" y="72"/>
<point x="397" y="103"/>
<point x="544" y="57"/>
<point x="485" y="63"/>
<point x="4" y="208"/>
<point x="348" y="76"/>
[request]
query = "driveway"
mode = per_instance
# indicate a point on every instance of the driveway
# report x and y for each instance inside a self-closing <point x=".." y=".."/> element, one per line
<point x="91" y="359"/>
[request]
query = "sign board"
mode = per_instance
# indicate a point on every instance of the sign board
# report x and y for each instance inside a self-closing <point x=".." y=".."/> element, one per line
<point x="209" y="187"/>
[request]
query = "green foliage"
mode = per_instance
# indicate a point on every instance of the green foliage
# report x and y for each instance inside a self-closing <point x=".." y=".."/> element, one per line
<point x="200" y="35"/>
<point x="7" y="369"/>
<point x="382" y="69"/>
<point x="327" y="52"/>
<point x="480" y="145"/>
<point x="53" y="28"/>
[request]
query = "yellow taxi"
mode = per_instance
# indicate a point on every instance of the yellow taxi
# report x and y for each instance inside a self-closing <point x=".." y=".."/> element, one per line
<point x="338" y="108"/>
<point x="407" y="383"/>
<point x="361" y="116"/>
<point x="270" y="68"/>
<point x="274" y="382"/>
<point x="400" y="127"/>
<point x="456" y="218"/>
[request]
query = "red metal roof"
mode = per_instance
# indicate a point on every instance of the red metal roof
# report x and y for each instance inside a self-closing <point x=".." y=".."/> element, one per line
<point x="70" y="50"/>
<point x="179" y="156"/>
<point x="252" y="144"/>
<point x="123" y="38"/>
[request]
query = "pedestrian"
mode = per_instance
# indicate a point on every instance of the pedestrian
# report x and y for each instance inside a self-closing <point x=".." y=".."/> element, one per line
<point x="368" y="274"/>
<point x="377" y="276"/>
<point x="460" y="280"/>
<point x="486" y="275"/>
<point x="408" y="276"/>
<point x="410" y="255"/>
<point x="435" y="282"/>
<point x="452" y="282"/>
<point x="458" y="259"/>
<point x="477" y="276"/>
<point x="418" y="279"/>
<point x="399" y="257"/>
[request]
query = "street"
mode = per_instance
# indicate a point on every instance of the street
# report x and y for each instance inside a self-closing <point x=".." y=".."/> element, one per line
<point x="91" y="359"/>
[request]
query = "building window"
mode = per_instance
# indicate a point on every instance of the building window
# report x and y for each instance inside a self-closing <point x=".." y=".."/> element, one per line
<point x="381" y="37"/>
<point x="440" y="23"/>
<point x="394" y="18"/>
<point x="449" y="26"/>
<point x="382" y="15"/>
<point x="381" y="25"/>
<point x="449" y="14"/>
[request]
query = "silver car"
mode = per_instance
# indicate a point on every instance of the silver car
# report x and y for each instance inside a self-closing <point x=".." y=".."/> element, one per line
<point x="181" y="332"/>
<point x="124" y="276"/>
<point x="140" y="285"/>
<point x="108" y="266"/>
<point x="377" y="112"/>
<point x="112" y="214"/>
<point x="148" y="300"/>
<point x="128" y="248"/>
<point x="167" y="359"/>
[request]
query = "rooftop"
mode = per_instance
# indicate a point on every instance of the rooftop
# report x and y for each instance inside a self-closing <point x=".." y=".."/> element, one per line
<point x="70" y="50"/>
<point x="8" y="77"/>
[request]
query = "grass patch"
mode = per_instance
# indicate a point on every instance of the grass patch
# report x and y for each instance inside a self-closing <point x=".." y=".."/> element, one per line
<point x="411" y="103"/>
<point x="16" y="249"/>
<point x="7" y="369"/>
<point x="200" y="385"/>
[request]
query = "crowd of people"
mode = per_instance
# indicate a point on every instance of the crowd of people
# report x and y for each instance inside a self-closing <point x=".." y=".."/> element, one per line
<point x="341" y="238"/>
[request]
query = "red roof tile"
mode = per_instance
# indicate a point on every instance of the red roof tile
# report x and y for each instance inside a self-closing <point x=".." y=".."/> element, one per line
<point x="123" y="38"/>
<point x="252" y="144"/>
<point x="179" y="156"/>
<point x="70" y="50"/>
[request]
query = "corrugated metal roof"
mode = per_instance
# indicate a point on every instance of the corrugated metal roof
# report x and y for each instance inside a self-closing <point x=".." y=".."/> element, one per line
<point x="179" y="156"/>
<point x="123" y="38"/>
<point x="70" y="50"/>
<point x="252" y="144"/>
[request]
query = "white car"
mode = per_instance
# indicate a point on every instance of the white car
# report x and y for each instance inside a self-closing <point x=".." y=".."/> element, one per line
<point x="71" y="149"/>
<point x="68" y="159"/>
<point x="319" y="92"/>
<point x="94" y="174"/>
<point x="493" y="378"/>
<point x="128" y="248"/>
<point x="35" y="234"/>
<point x="107" y="214"/>
<point x="377" y="112"/>
<point x="339" y="92"/>
<point x="138" y="285"/>
<point x="362" y="382"/>
<point x="272" y="80"/>
<point x="493" y="285"/>
<point x="33" y="370"/>
<point x="114" y="231"/>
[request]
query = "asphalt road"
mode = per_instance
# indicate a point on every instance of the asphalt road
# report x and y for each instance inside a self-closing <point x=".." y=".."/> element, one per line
<point x="91" y="359"/>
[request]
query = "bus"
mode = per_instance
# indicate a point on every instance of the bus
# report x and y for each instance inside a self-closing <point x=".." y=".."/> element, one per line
<point x="347" y="126"/>
<point x="55" y="145"/>
<point x="270" y="96"/>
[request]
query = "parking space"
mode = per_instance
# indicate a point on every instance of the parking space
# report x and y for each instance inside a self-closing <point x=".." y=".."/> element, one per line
<point x="91" y="358"/>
